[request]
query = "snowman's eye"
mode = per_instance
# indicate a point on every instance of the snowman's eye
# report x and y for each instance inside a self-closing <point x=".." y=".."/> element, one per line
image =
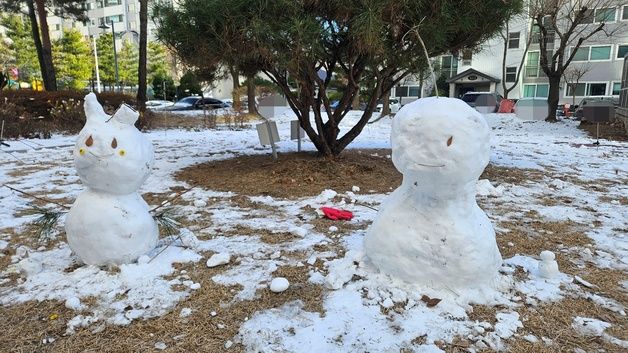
<point x="114" y="143"/>
<point x="450" y="140"/>
<point x="89" y="141"/>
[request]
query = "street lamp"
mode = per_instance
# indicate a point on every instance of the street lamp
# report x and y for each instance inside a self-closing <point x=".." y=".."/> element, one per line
<point x="115" y="52"/>
<point x="96" y="62"/>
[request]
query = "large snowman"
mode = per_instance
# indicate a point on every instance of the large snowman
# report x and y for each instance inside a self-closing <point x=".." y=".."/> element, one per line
<point x="430" y="231"/>
<point x="109" y="222"/>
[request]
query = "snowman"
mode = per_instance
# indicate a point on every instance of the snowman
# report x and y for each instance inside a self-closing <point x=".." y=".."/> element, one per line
<point x="430" y="231"/>
<point x="109" y="222"/>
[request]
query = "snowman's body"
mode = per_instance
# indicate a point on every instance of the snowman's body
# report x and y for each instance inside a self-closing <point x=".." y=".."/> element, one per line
<point x="109" y="223"/>
<point x="430" y="231"/>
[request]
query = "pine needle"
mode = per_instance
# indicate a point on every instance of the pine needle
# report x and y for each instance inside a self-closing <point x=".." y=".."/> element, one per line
<point x="46" y="222"/>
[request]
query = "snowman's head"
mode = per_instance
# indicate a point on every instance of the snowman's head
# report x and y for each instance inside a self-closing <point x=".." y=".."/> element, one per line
<point x="440" y="141"/>
<point x="111" y="154"/>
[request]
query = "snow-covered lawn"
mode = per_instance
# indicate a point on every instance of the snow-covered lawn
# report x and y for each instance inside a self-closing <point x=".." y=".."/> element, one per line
<point x="564" y="195"/>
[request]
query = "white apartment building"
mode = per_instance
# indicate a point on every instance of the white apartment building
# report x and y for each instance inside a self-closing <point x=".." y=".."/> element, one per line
<point x="600" y="58"/>
<point x="123" y="13"/>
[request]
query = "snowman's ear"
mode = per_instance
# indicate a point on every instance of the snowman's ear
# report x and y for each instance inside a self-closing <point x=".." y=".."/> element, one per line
<point x="93" y="109"/>
<point x="126" y="115"/>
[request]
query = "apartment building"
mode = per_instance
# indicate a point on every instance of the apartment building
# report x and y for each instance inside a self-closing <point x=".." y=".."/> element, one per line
<point x="124" y="14"/>
<point x="599" y="61"/>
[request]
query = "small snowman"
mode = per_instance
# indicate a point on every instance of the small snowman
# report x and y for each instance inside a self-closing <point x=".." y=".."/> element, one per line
<point x="109" y="222"/>
<point x="430" y="231"/>
<point x="548" y="267"/>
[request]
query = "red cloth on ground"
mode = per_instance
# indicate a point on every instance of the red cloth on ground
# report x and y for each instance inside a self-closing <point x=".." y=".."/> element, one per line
<point x="336" y="214"/>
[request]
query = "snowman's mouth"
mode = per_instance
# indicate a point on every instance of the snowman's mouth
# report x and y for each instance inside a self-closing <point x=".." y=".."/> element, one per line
<point x="429" y="165"/>
<point x="100" y="157"/>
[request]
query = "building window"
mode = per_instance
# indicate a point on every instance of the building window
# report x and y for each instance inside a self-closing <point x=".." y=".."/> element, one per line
<point x="513" y="40"/>
<point x="413" y="91"/>
<point x="622" y="50"/>
<point x="616" y="88"/>
<point x="401" y="91"/>
<point x="601" y="53"/>
<point x="532" y="64"/>
<point x="536" y="90"/>
<point x="605" y="15"/>
<point x="57" y="27"/>
<point x="593" y="53"/>
<point x="588" y="89"/>
<point x="581" y="88"/>
<point x="624" y="14"/>
<point x="596" y="89"/>
<point x="467" y="57"/>
<point x="511" y="74"/>
<point x="448" y="65"/>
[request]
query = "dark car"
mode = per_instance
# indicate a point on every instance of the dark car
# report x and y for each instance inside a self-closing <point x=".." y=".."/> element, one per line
<point x="196" y="102"/>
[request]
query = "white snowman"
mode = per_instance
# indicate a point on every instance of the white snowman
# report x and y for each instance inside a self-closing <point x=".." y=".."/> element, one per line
<point x="430" y="231"/>
<point x="109" y="222"/>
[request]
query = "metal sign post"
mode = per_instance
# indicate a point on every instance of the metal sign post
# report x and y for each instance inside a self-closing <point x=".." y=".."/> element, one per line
<point x="268" y="135"/>
<point x="296" y="133"/>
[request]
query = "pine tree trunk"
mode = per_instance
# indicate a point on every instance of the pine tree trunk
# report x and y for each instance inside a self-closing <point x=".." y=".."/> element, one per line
<point x="355" y="105"/>
<point x="553" y="97"/>
<point x="250" y="93"/>
<point x="141" y="70"/>
<point x="386" y="104"/>
<point x="32" y="15"/>
<point x="50" y="82"/>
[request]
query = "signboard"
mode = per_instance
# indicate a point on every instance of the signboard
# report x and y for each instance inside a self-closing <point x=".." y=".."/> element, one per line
<point x="296" y="132"/>
<point x="265" y="130"/>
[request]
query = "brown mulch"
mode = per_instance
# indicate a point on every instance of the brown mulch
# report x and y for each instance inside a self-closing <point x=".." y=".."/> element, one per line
<point x="304" y="174"/>
<point x="614" y="131"/>
<point x="296" y="175"/>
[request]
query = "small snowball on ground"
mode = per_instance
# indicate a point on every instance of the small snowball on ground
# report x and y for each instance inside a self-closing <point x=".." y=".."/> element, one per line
<point x="355" y="188"/>
<point x="589" y="327"/>
<point x="200" y="203"/>
<point x="161" y="346"/>
<point x="228" y="344"/>
<point x="327" y="194"/>
<point x="279" y="284"/>
<point x="185" y="312"/>
<point x="388" y="303"/>
<point x="195" y="286"/>
<point x="218" y="259"/>
<point x="333" y="229"/>
<point x="275" y="255"/>
<point x="73" y="303"/>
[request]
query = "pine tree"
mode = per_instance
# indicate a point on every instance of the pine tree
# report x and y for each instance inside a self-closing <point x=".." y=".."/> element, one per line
<point x="127" y="64"/>
<point x="106" y="68"/>
<point x="73" y="60"/>
<point x="157" y="60"/>
<point x="375" y="43"/>
<point x="23" y="47"/>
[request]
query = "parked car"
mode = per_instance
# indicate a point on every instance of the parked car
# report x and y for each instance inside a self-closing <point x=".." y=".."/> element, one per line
<point x="392" y="103"/>
<point x="196" y="102"/>
<point x="158" y="104"/>
<point x="210" y="103"/>
<point x="483" y="102"/>
<point x="186" y="103"/>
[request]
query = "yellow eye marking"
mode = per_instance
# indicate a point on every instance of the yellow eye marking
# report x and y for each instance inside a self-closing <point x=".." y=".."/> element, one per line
<point x="122" y="153"/>
<point x="81" y="151"/>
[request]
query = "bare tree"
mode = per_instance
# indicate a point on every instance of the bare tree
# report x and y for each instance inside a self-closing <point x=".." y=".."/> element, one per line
<point x="505" y="36"/>
<point x="565" y="25"/>
<point x="572" y="77"/>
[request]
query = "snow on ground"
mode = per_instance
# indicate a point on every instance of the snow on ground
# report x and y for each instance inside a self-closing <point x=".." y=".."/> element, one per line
<point x="364" y="310"/>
